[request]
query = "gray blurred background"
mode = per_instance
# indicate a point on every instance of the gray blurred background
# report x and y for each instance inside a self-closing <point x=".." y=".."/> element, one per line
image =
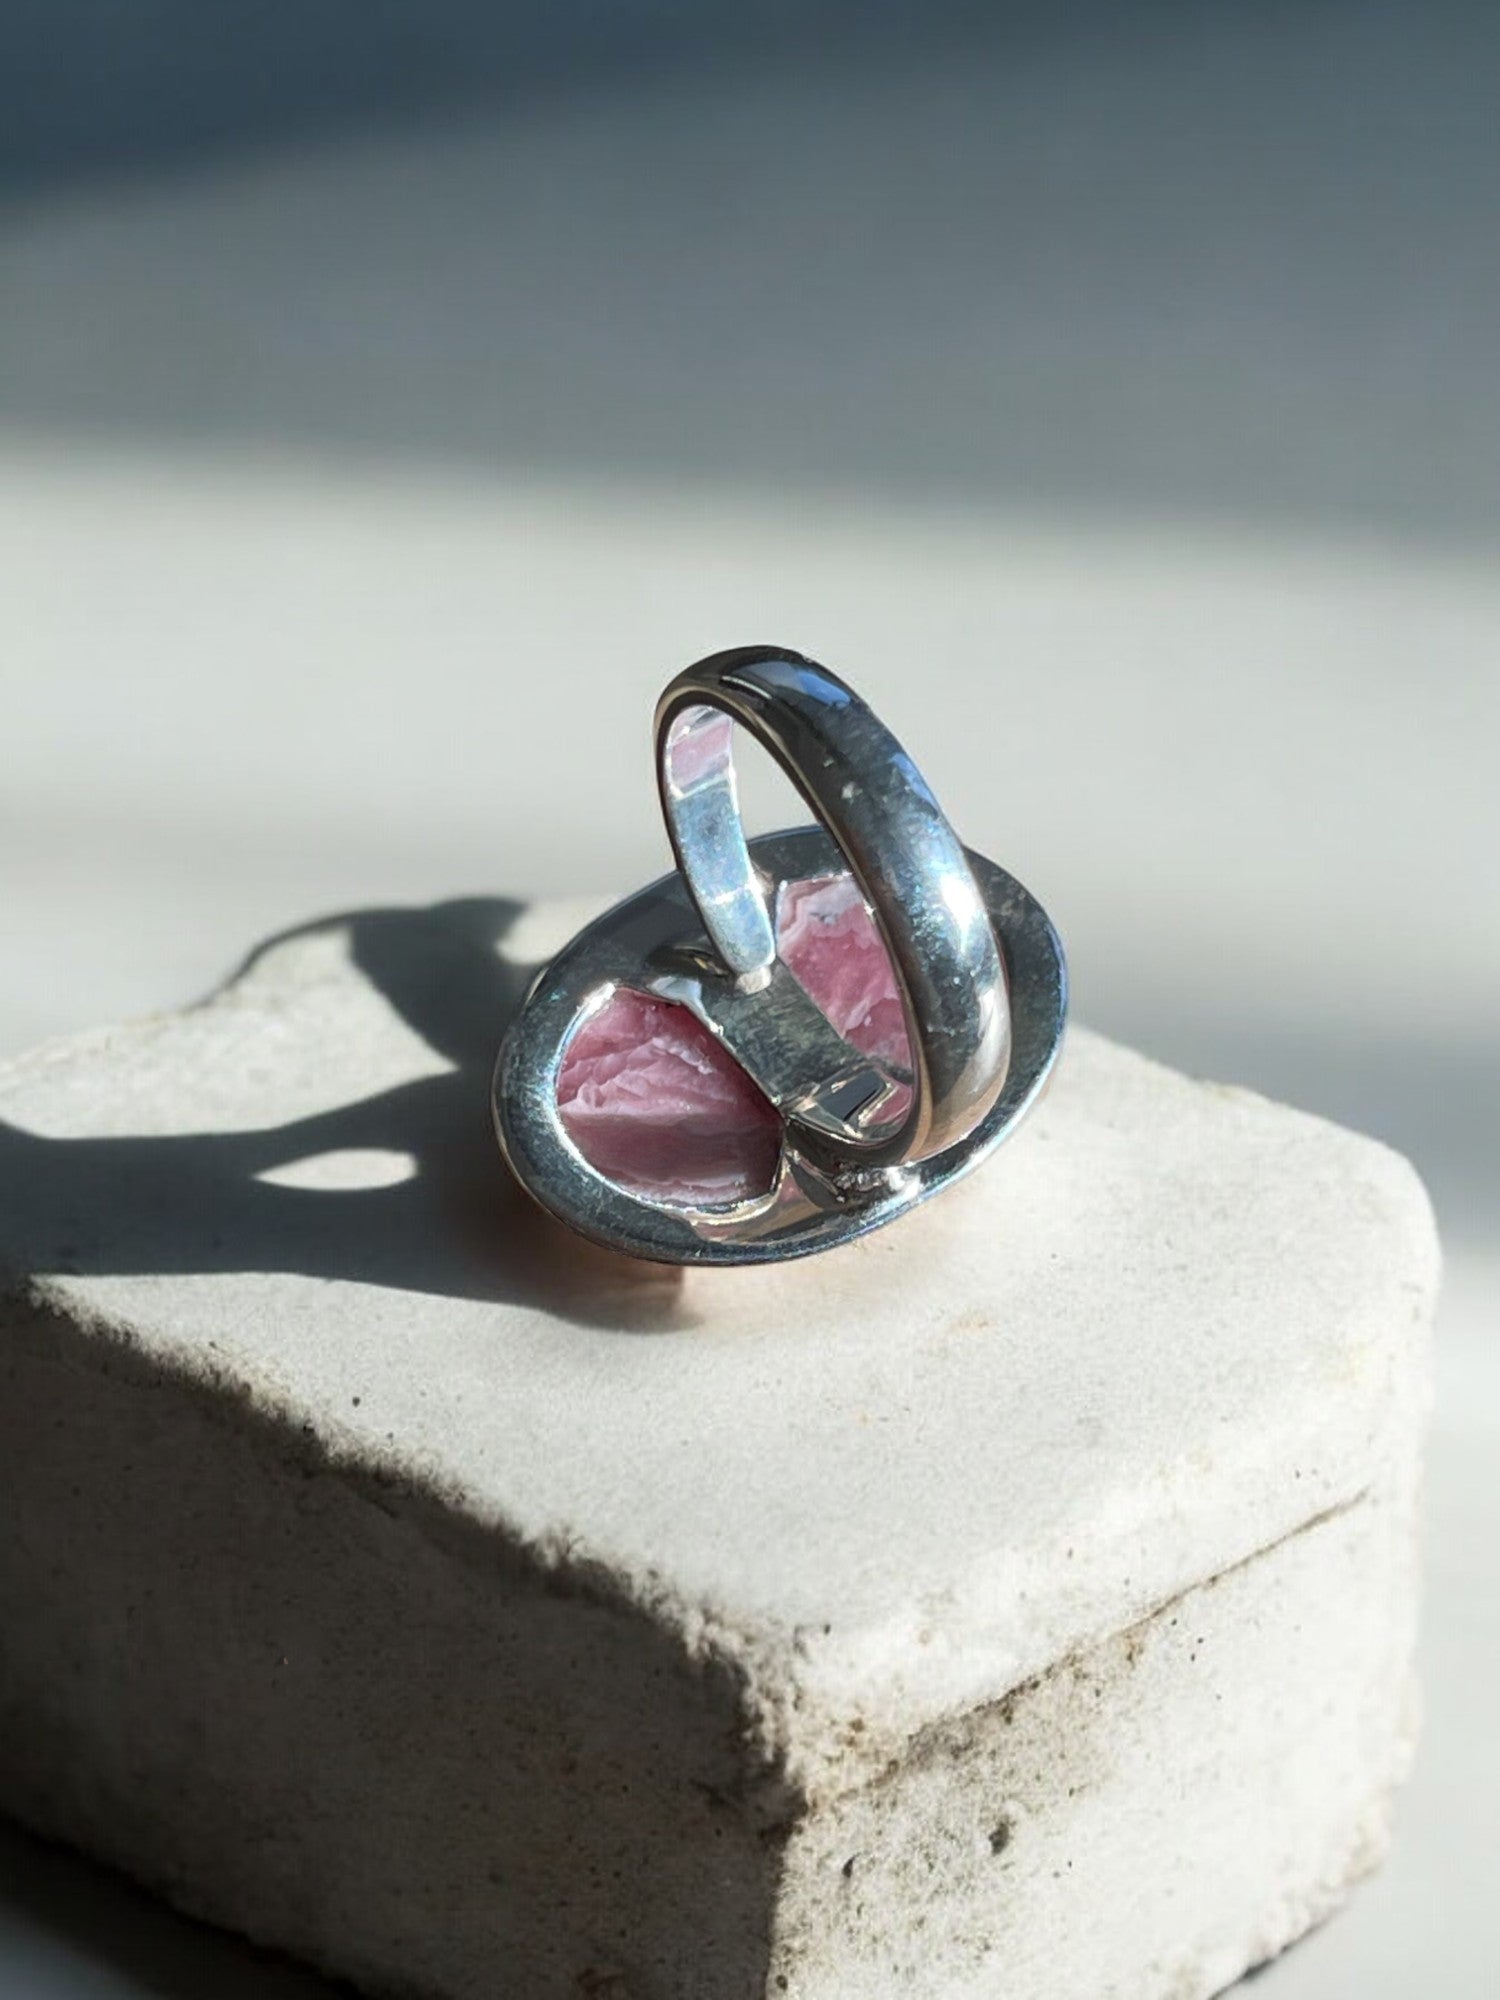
<point x="393" y="395"/>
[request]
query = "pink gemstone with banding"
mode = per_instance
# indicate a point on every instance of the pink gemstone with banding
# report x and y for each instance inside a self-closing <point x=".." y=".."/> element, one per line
<point x="650" y="1097"/>
<point x="828" y="940"/>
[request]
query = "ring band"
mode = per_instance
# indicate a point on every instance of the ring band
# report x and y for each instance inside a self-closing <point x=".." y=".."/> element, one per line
<point x="906" y="858"/>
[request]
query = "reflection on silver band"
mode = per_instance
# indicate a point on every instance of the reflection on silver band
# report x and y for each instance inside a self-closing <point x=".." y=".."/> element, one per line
<point x="896" y="842"/>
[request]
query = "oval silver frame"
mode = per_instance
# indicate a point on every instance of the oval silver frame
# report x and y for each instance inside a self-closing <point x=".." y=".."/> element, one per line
<point x="640" y="943"/>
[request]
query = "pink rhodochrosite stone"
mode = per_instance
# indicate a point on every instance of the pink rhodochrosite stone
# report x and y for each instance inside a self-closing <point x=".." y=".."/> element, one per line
<point x="827" y="939"/>
<point x="654" y="1101"/>
<point x="651" y="1098"/>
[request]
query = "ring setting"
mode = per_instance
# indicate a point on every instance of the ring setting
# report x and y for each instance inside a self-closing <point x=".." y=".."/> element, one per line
<point x="849" y="1015"/>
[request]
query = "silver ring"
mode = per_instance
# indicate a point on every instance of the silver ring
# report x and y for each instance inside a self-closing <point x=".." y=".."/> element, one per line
<point x="898" y="846"/>
<point x="711" y="981"/>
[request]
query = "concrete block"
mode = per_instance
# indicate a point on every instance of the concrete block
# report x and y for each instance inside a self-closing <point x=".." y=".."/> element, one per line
<point x="1017" y="1605"/>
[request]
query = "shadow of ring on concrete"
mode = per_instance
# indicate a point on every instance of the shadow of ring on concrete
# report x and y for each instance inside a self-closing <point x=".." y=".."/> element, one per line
<point x="455" y="1226"/>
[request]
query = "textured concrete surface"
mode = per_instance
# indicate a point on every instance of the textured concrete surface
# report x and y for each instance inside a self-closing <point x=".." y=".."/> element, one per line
<point x="399" y="1582"/>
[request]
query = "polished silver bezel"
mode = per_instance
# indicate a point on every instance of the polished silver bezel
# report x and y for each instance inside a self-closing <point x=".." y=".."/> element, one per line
<point x="644" y="943"/>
